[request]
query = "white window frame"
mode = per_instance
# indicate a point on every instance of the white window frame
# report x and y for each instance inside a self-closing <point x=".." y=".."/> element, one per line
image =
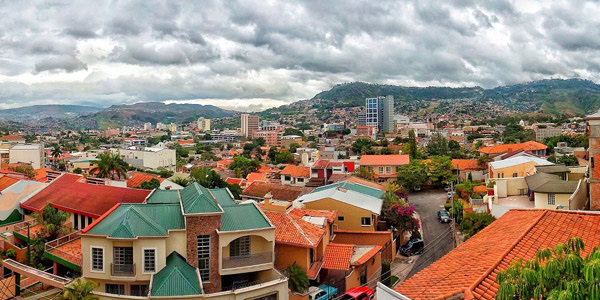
<point x="381" y="170"/>
<point x="209" y="256"/>
<point x="144" y="260"/>
<point x="92" y="259"/>
<point x="365" y="218"/>
<point x="553" y="199"/>
<point x="388" y="170"/>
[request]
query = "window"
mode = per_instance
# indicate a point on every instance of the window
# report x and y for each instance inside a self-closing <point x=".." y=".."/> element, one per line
<point x="75" y="221"/>
<point x="97" y="259"/>
<point x="150" y="260"/>
<point x="380" y="170"/>
<point x="515" y="174"/>
<point x="82" y="221"/>
<point x="388" y="170"/>
<point x="240" y="247"/>
<point x="123" y="256"/>
<point x="551" y="199"/>
<point x="203" y="246"/>
<point x="288" y="178"/>
<point x="311" y="255"/>
<point x="117" y="289"/>
<point x="341" y="218"/>
<point x="139" y="290"/>
<point x="89" y="220"/>
<point x="500" y="175"/>
<point x="365" y="221"/>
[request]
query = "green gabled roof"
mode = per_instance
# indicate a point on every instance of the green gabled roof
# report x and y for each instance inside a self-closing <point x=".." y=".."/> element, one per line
<point x="223" y="197"/>
<point x="359" y="188"/>
<point x="242" y="217"/>
<point x="133" y="220"/>
<point x="196" y="199"/>
<point x="177" y="278"/>
<point x="164" y="196"/>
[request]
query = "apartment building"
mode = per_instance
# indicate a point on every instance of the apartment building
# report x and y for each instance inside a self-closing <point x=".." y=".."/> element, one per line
<point x="31" y="154"/>
<point x="203" y="124"/>
<point x="249" y="124"/>
<point x="194" y="242"/>
<point x="272" y="137"/>
<point x="150" y="158"/>
<point x="380" y="113"/>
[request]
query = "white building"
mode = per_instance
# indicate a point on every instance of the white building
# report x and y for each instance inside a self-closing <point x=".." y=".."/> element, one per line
<point x="173" y="127"/>
<point x="148" y="126"/>
<point x="32" y="154"/>
<point x="150" y="158"/>
<point x="161" y="126"/>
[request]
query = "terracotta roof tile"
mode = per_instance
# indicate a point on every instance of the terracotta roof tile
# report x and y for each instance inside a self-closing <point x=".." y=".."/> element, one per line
<point x="279" y="191"/>
<point x="505" y="148"/>
<point x="465" y="164"/>
<point x="12" y="138"/>
<point x="296" y="171"/>
<point x="6" y="181"/>
<point x="238" y="181"/>
<point x="384" y="160"/>
<point x="338" y="256"/>
<point x="137" y="178"/>
<point x="252" y="177"/>
<point x="291" y="229"/>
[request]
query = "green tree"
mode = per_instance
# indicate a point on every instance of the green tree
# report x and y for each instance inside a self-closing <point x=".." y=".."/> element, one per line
<point x="363" y="172"/>
<point x="110" y="165"/>
<point x="259" y="142"/>
<point x="391" y="195"/>
<point x="561" y="273"/>
<point x="284" y="157"/>
<point x="207" y="178"/>
<point x="453" y="146"/>
<point x="272" y="153"/>
<point x="438" y="145"/>
<point x="473" y="222"/>
<point x="150" y="184"/>
<point x="244" y="166"/>
<point x="181" y="181"/>
<point x="362" y="146"/>
<point x="52" y="221"/>
<point x="413" y="175"/>
<point x="80" y="290"/>
<point x="294" y="147"/>
<point x="297" y="279"/>
<point x="293" y="131"/>
<point x="440" y="171"/>
<point x="412" y="142"/>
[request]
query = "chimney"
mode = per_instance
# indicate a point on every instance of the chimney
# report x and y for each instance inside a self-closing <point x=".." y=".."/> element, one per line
<point x="268" y="198"/>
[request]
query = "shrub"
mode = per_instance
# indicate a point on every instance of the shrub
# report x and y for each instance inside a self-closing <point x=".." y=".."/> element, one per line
<point x="11" y="254"/>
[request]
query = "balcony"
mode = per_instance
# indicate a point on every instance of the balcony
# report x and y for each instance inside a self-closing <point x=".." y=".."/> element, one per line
<point x="247" y="261"/>
<point x="127" y="270"/>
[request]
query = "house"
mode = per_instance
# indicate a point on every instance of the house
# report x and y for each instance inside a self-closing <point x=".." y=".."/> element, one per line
<point x="239" y="181"/>
<point x="180" y="244"/>
<point x="12" y="139"/>
<point x="533" y="147"/>
<point x="384" y="167"/>
<point x="301" y="235"/>
<point x="515" y="167"/>
<point x="469" y="271"/>
<point x="553" y="192"/>
<point x="256" y="176"/>
<point x="137" y="178"/>
<point x="152" y="158"/>
<point x="465" y="167"/>
<point x="257" y="191"/>
<point x="357" y="206"/>
<point x="323" y="169"/>
<point x="295" y="175"/>
<point x="351" y="265"/>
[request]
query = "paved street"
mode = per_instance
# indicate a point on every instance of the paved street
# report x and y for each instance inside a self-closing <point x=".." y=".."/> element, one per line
<point x="436" y="235"/>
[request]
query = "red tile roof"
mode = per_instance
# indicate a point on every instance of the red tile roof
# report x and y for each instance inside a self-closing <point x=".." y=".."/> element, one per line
<point x="465" y="164"/>
<point x="69" y="193"/>
<point x="325" y="163"/>
<point x="137" y="178"/>
<point x="291" y="229"/>
<point x="41" y="174"/>
<point x="252" y="177"/>
<point x="238" y="181"/>
<point x="6" y="181"/>
<point x="296" y="171"/>
<point x="472" y="267"/>
<point x="505" y="148"/>
<point x="279" y="191"/>
<point x="185" y="142"/>
<point x="384" y="160"/>
<point x="338" y="256"/>
<point x="12" y="138"/>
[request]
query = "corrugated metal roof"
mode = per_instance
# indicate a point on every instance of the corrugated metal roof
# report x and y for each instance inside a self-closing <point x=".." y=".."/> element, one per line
<point x="133" y="220"/>
<point x="243" y="217"/>
<point x="164" y="196"/>
<point x="347" y="196"/>
<point x="177" y="278"/>
<point x="363" y="189"/>
<point x="197" y="199"/>
<point x="509" y="162"/>
<point x="223" y="197"/>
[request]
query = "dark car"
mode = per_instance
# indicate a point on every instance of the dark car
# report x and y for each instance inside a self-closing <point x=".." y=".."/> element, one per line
<point x="413" y="247"/>
<point x="443" y="216"/>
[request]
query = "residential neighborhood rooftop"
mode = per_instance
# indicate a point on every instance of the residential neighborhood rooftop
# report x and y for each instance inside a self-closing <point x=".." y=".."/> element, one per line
<point x="384" y="160"/>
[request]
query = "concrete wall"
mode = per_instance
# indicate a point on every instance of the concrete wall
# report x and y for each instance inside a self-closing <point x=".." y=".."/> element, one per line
<point x="510" y="186"/>
<point x="351" y="214"/>
<point x="541" y="201"/>
<point x="286" y="255"/>
<point x="522" y="170"/>
<point x="33" y="156"/>
<point x="579" y="198"/>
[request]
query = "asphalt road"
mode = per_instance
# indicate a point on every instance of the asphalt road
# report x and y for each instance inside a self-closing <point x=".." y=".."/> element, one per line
<point x="436" y="235"/>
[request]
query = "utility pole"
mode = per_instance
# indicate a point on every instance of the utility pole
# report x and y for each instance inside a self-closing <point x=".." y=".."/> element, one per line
<point x="454" y="216"/>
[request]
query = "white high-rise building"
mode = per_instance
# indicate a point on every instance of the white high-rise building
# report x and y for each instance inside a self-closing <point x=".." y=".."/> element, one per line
<point x="380" y="113"/>
<point x="203" y="124"/>
<point x="148" y="126"/>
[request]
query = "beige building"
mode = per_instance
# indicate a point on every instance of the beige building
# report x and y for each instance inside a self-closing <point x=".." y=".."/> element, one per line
<point x="203" y="124"/>
<point x="249" y="124"/>
<point x="32" y="154"/>
<point x="172" y="127"/>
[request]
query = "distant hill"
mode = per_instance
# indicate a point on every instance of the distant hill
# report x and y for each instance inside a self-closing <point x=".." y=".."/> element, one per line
<point x="153" y="112"/>
<point x="37" y="112"/>
<point x="552" y="96"/>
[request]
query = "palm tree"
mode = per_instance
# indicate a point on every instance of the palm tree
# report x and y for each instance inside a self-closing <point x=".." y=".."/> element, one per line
<point x="80" y="290"/>
<point x="110" y="165"/>
<point x="56" y="153"/>
<point x="297" y="279"/>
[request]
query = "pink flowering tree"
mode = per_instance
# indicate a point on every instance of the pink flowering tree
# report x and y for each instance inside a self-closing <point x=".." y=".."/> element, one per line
<point x="402" y="217"/>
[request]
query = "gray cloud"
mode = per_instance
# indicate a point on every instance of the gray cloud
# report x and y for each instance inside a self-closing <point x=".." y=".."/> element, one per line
<point x="124" y="52"/>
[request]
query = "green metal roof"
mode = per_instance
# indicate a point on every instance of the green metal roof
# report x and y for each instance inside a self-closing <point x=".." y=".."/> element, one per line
<point x="223" y="197"/>
<point x="197" y="199"/>
<point x="359" y="188"/>
<point x="242" y="217"/>
<point x="133" y="220"/>
<point x="177" y="278"/>
<point x="164" y="196"/>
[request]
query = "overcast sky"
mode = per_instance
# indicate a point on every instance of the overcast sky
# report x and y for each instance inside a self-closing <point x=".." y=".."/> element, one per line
<point x="257" y="54"/>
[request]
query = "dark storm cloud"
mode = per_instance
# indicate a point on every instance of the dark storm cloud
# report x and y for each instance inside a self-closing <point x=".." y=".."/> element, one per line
<point x="128" y="51"/>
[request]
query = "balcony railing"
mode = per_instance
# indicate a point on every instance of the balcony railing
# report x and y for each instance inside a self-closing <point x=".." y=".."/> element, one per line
<point x="247" y="261"/>
<point x="123" y="270"/>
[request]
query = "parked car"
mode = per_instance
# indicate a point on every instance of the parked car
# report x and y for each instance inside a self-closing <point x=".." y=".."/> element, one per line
<point x="330" y="291"/>
<point x="359" y="293"/>
<point x="443" y="216"/>
<point x="315" y="293"/>
<point x="413" y="247"/>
